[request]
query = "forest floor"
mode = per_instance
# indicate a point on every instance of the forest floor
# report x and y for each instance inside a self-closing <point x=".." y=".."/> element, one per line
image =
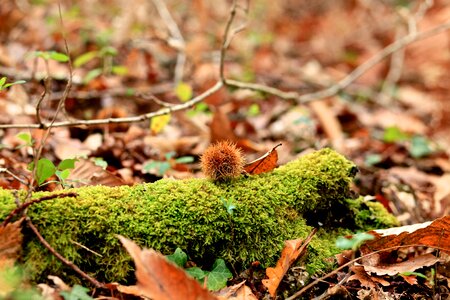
<point x="370" y="79"/>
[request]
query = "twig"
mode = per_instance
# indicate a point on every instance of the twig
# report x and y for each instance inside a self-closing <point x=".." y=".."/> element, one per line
<point x="68" y="263"/>
<point x="327" y="92"/>
<point x="134" y="119"/>
<point x="225" y="39"/>
<point x="38" y="151"/>
<point x="86" y="248"/>
<point x="310" y="285"/>
<point x="176" y="34"/>
<point x="229" y="34"/>
<point x="13" y="176"/>
<point x="41" y="98"/>
<point x="346" y="81"/>
<point x="25" y="205"/>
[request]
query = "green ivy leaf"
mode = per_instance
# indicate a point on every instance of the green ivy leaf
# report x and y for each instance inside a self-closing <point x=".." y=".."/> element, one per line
<point x="420" y="147"/>
<point x="44" y="170"/>
<point x="68" y="163"/>
<point x="78" y="292"/>
<point x="85" y="58"/>
<point x="196" y="273"/>
<point x="354" y="242"/>
<point x="183" y="91"/>
<point x="218" y="276"/>
<point x="179" y="257"/>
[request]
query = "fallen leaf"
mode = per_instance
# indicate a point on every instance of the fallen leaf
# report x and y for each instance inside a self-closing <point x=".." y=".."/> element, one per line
<point x="436" y="234"/>
<point x="10" y="243"/>
<point x="88" y="173"/>
<point x="365" y="279"/>
<point x="221" y="127"/>
<point x="236" y="292"/>
<point x="159" y="279"/>
<point x="265" y="163"/>
<point x="409" y="265"/>
<point x="290" y="253"/>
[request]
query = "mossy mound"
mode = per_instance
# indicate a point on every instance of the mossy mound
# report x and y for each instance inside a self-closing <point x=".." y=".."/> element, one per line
<point x="269" y="209"/>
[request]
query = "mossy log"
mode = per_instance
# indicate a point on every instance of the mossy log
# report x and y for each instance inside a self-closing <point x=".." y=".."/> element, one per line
<point x="190" y="214"/>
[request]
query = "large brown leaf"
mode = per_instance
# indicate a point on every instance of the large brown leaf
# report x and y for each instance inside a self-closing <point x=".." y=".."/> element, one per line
<point x="159" y="279"/>
<point x="10" y="243"/>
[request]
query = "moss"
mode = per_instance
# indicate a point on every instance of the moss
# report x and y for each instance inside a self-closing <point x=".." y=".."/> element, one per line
<point x="190" y="214"/>
<point x="370" y="215"/>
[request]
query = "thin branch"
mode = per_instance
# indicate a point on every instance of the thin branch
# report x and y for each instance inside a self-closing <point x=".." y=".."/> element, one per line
<point x="176" y="34"/>
<point x="25" y="205"/>
<point x="13" y="176"/>
<point x="139" y="118"/>
<point x="346" y="81"/>
<point x="327" y="92"/>
<point x="229" y="34"/>
<point x="41" y="98"/>
<point x="61" y="258"/>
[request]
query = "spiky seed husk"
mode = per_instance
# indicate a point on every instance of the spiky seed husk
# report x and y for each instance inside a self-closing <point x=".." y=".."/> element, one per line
<point x="222" y="161"/>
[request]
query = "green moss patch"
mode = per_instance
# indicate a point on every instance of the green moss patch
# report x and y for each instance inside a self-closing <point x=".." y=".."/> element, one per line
<point x="190" y="214"/>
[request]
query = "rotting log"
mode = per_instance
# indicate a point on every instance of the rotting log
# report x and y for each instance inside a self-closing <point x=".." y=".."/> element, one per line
<point x="190" y="214"/>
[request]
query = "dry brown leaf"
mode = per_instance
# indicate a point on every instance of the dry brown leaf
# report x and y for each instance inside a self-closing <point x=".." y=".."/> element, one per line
<point x="365" y="279"/>
<point x="436" y="234"/>
<point x="361" y="276"/>
<point x="159" y="279"/>
<point x="88" y="173"/>
<point x="265" y="163"/>
<point x="411" y="279"/>
<point x="409" y="265"/>
<point x="290" y="253"/>
<point x="236" y="292"/>
<point x="221" y="127"/>
<point x="10" y="243"/>
<point x="329" y="122"/>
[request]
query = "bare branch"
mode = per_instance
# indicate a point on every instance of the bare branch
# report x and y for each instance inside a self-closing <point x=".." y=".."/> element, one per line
<point x="134" y="119"/>
<point x="25" y="205"/>
<point x="346" y="81"/>
<point x="176" y="34"/>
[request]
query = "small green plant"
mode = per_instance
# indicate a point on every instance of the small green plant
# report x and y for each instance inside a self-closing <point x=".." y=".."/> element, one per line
<point x="229" y="204"/>
<point x="45" y="168"/>
<point x="418" y="146"/>
<point x="105" y="55"/>
<point x="354" y="242"/>
<point x="162" y="166"/>
<point x="4" y="85"/>
<point x="216" y="278"/>
<point x="54" y="55"/>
